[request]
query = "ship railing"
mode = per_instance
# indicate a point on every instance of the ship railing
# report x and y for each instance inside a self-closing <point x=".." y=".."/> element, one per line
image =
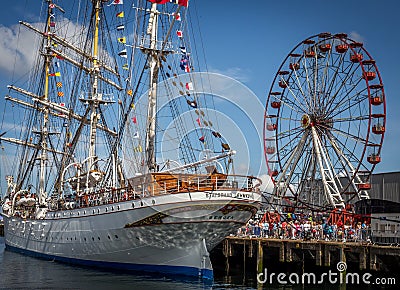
<point x="191" y="183"/>
<point x="165" y="186"/>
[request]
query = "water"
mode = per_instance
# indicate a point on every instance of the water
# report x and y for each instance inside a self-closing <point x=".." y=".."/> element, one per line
<point x="18" y="271"/>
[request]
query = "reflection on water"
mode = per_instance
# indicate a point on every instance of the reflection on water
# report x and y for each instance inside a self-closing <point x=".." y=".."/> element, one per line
<point x="22" y="272"/>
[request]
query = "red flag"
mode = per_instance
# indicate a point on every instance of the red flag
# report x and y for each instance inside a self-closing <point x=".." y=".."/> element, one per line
<point x="201" y="139"/>
<point x="179" y="33"/>
<point x="189" y="86"/>
<point x="183" y="3"/>
<point x="198" y="121"/>
<point x="134" y="120"/>
<point x="159" y="1"/>
<point x="177" y="16"/>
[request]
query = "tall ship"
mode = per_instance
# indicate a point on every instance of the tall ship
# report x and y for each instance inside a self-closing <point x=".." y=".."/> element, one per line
<point x="118" y="160"/>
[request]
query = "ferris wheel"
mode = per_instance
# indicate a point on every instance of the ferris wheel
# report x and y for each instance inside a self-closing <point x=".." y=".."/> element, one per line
<point x="324" y="123"/>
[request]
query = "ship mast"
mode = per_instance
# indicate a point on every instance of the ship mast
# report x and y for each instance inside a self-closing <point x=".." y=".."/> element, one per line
<point x="45" y="124"/>
<point x="152" y="97"/>
<point x="95" y="97"/>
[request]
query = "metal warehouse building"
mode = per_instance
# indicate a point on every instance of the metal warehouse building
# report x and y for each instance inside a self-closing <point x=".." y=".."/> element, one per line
<point x="386" y="186"/>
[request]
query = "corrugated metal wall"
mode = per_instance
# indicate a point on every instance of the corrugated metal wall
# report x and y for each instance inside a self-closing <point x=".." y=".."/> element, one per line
<point x="386" y="186"/>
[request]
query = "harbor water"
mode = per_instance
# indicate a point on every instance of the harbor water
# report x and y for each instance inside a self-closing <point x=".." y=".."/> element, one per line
<point x="18" y="271"/>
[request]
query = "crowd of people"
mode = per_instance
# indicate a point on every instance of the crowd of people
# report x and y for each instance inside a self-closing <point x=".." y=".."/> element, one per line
<point x="291" y="226"/>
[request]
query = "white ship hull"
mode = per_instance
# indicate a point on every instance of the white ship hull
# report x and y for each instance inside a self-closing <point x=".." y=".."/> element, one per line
<point x="168" y="234"/>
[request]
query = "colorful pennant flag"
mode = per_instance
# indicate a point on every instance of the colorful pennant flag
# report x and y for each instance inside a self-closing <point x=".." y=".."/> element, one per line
<point x="123" y="53"/>
<point x="59" y="84"/>
<point x="56" y="74"/>
<point x="52" y="24"/>
<point x="122" y="39"/>
<point x="225" y="146"/>
<point x="116" y="2"/>
<point x="184" y="3"/>
<point x="57" y="56"/>
<point x="134" y="120"/>
<point x="159" y="1"/>
<point x="125" y="66"/>
<point x="177" y="16"/>
<point x="120" y="14"/>
<point x="129" y="92"/>
<point x="216" y="134"/>
<point x="198" y="121"/>
<point x="201" y="139"/>
<point x="179" y="33"/>
<point x="138" y="149"/>
<point x="121" y="27"/>
<point x="136" y="135"/>
<point x="183" y="63"/>
<point x="193" y="103"/>
<point x="60" y="94"/>
<point x="189" y="86"/>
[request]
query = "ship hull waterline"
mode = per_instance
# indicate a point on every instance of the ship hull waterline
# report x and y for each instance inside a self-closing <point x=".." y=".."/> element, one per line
<point x="169" y="234"/>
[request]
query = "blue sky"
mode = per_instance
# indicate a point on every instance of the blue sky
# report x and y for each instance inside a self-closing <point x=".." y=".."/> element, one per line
<point x="248" y="41"/>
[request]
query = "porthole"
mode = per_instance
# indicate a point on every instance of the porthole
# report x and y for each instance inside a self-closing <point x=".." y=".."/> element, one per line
<point x="153" y="201"/>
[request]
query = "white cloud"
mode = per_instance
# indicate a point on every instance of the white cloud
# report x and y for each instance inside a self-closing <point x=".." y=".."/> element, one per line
<point x="16" y="49"/>
<point x="267" y="184"/>
<point x="356" y="37"/>
<point x="236" y="73"/>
